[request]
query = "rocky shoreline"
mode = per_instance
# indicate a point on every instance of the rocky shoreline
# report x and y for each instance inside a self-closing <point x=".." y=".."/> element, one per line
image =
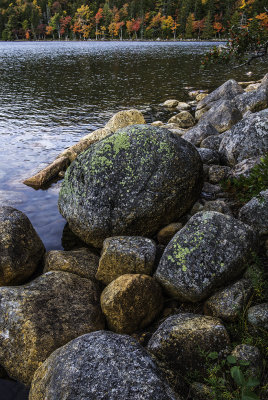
<point x="167" y="296"/>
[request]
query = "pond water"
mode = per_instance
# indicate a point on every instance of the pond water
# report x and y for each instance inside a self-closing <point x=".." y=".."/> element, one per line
<point x="53" y="93"/>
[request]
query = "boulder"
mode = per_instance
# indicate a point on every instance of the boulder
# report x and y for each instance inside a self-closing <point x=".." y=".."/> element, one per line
<point x="81" y="262"/>
<point x="247" y="139"/>
<point x="131" y="302"/>
<point x="244" y="168"/>
<point x="253" y="101"/>
<point x="251" y="355"/>
<point x="100" y="365"/>
<point x="252" y="86"/>
<point x="217" y="205"/>
<point x="171" y="103"/>
<point x="227" y="304"/>
<point x="21" y="249"/>
<point x="182" y="341"/>
<point x="209" y="156"/>
<point x="201" y="96"/>
<point x="198" y="113"/>
<point x="199" y="132"/>
<point x="212" y="142"/>
<point x="125" y="118"/>
<point x="37" y="318"/>
<point x="211" y="250"/>
<point x="157" y="123"/>
<point x="258" y="315"/>
<point x="125" y="255"/>
<point x="166" y="234"/>
<point x="181" y="106"/>
<point x="217" y="173"/>
<point x="227" y="91"/>
<point x="131" y="183"/>
<point x="223" y="115"/>
<point x="255" y="213"/>
<point x="184" y="119"/>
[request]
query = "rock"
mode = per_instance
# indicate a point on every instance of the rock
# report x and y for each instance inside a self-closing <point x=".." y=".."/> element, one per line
<point x="100" y="365"/>
<point x="227" y="91"/>
<point x="171" y="103"/>
<point x="194" y="93"/>
<point x="244" y="168"/>
<point x="211" y="250"/>
<point x="252" y="86"/>
<point x="217" y="205"/>
<point x="157" y="123"/>
<point x="184" y="119"/>
<point x="227" y="304"/>
<point x="247" y="139"/>
<point x="181" y="106"/>
<point x="198" y="114"/>
<point x="255" y="213"/>
<point x="125" y="255"/>
<point x="199" y="132"/>
<point x="217" y="173"/>
<point x="252" y="101"/>
<point x="166" y="234"/>
<point x="80" y="262"/>
<point x="223" y="115"/>
<point x="209" y="156"/>
<point x="212" y="142"/>
<point x="131" y="302"/>
<point x="131" y="183"/>
<point x="197" y="207"/>
<point x="179" y="132"/>
<point x="200" y="391"/>
<point x="258" y="315"/>
<point x="211" y="189"/>
<point x="125" y="118"/>
<point x="37" y="318"/>
<point x="21" y="249"/>
<point x="182" y="340"/>
<point x="201" y="96"/>
<point x="251" y="354"/>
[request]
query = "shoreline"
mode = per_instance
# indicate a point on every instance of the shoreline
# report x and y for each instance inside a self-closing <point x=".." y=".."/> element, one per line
<point x="118" y="40"/>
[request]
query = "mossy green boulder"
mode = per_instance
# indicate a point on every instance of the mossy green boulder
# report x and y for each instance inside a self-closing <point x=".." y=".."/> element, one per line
<point x="133" y="182"/>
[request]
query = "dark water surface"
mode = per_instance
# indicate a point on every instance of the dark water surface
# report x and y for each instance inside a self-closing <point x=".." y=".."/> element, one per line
<point x="53" y="93"/>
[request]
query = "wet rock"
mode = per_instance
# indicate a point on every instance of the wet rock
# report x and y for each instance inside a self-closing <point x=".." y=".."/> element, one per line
<point x="157" y="123"/>
<point x="37" y="318"/>
<point x="182" y="340"/>
<point x="247" y="139"/>
<point x="181" y="106"/>
<point x="171" y="103"/>
<point x="227" y="304"/>
<point x="258" y="315"/>
<point x="81" y="262"/>
<point x="125" y="255"/>
<point x="100" y="365"/>
<point x="131" y="302"/>
<point x="211" y="250"/>
<point x="222" y="115"/>
<point x="21" y="249"/>
<point x="227" y="91"/>
<point x="184" y="119"/>
<point x="131" y="183"/>
<point x="244" y="168"/>
<point x="201" y="96"/>
<point x="255" y="213"/>
<point x="125" y="118"/>
<point x="209" y="156"/>
<point x="217" y="205"/>
<point x="212" y="142"/>
<point x="250" y="354"/>
<point x="217" y="173"/>
<point x="166" y="234"/>
<point x="199" y="132"/>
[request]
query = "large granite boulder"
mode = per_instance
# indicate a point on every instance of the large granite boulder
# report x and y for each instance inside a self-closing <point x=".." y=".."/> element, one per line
<point x="222" y="116"/>
<point x="182" y="341"/>
<point x="253" y="101"/>
<point x="210" y="251"/>
<point x="21" y="249"/>
<point x="255" y="213"/>
<point x="100" y="365"/>
<point x="125" y="255"/>
<point x="131" y="183"/>
<point x="248" y="138"/>
<point x="131" y="302"/>
<point x="42" y="316"/>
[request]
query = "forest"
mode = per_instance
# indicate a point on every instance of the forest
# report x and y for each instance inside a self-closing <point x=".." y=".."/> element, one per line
<point x="121" y="19"/>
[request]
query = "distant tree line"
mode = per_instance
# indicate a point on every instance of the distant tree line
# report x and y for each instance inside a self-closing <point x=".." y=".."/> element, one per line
<point x="121" y="19"/>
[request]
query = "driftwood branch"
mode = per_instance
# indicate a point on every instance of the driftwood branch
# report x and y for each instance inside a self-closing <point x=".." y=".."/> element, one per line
<point x="261" y="53"/>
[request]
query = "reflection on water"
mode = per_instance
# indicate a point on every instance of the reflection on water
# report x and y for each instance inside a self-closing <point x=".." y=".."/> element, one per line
<point x="51" y="94"/>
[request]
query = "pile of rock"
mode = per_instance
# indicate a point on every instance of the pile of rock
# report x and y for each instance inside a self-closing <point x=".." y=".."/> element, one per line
<point x="147" y="199"/>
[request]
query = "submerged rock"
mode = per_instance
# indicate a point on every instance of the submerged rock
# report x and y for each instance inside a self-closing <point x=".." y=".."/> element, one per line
<point x="131" y="302"/>
<point x="101" y="365"/>
<point x="37" y="318"/>
<point x="131" y="183"/>
<point x="21" y="249"/>
<point x="210" y="251"/>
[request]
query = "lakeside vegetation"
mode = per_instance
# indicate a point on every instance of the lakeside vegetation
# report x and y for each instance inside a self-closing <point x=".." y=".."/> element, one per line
<point x="136" y="19"/>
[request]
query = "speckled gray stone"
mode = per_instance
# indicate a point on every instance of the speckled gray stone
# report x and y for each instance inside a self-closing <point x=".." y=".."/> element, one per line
<point x="253" y="101"/>
<point x="100" y="366"/>
<point x="258" y="315"/>
<point x="209" y="156"/>
<point x="223" y="115"/>
<point x="21" y="249"/>
<point x="255" y="213"/>
<point x="248" y="138"/>
<point x="131" y="183"/>
<point x="199" y="133"/>
<point x="210" y="251"/>
<point x="182" y="340"/>
<point x="251" y="354"/>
